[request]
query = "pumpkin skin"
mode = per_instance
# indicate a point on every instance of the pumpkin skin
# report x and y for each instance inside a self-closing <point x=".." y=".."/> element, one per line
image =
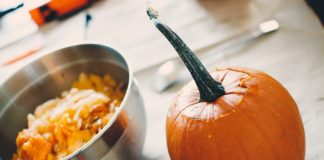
<point x="256" y="119"/>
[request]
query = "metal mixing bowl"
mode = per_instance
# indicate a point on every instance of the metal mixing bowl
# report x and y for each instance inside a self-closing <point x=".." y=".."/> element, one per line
<point x="49" y="75"/>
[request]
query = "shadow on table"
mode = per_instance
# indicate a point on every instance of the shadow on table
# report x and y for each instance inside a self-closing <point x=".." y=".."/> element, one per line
<point x="229" y="12"/>
<point x="149" y="158"/>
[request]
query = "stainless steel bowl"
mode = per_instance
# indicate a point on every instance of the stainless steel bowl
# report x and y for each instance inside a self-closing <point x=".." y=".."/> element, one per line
<point x="48" y="76"/>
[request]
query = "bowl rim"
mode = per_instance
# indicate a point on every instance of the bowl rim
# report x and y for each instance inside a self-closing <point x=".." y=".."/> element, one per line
<point x="122" y="105"/>
<point x="114" y="49"/>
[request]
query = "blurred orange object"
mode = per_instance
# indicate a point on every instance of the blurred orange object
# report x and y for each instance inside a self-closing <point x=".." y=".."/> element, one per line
<point x="21" y="56"/>
<point x="56" y="9"/>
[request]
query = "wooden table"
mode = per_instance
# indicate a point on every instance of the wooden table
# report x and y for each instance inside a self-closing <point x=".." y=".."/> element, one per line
<point x="294" y="55"/>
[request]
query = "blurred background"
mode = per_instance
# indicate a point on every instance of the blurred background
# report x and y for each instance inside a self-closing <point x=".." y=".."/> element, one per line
<point x="282" y="38"/>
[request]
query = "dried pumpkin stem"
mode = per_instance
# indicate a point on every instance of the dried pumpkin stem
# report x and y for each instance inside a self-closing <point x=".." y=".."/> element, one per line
<point x="209" y="89"/>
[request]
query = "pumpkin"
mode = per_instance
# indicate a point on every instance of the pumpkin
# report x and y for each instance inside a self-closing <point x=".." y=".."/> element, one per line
<point x="230" y="113"/>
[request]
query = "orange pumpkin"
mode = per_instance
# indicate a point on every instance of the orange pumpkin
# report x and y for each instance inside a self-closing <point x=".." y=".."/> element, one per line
<point x="255" y="119"/>
<point x="231" y="113"/>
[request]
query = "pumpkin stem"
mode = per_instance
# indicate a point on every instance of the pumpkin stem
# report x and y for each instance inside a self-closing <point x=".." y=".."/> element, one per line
<point x="209" y="89"/>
